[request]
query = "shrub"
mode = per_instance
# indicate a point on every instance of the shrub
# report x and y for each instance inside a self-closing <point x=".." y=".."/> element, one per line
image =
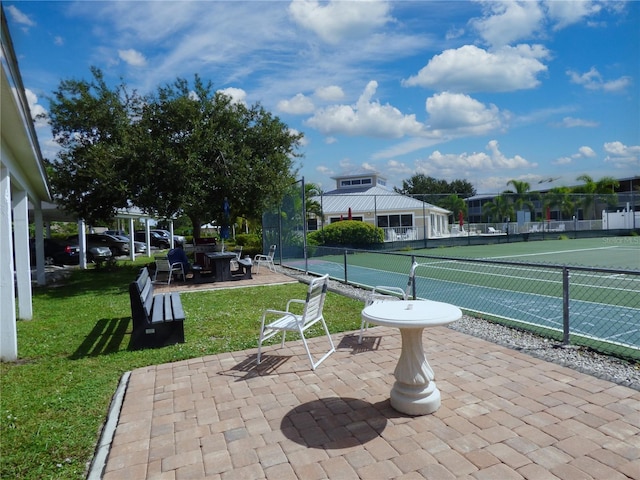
<point x="250" y="242"/>
<point x="348" y="232"/>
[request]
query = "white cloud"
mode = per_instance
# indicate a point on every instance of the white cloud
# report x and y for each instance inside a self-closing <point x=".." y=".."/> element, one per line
<point x="472" y="69"/>
<point x="562" y="161"/>
<point x="36" y="109"/>
<point x="570" y="122"/>
<point x="331" y="93"/>
<point x="298" y="105"/>
<point x="19" y="17"/>
<point x="58" y="41"/>
<point x="621" y="155"/>
<point x="458" y="114"/>
<point x="466" y="165"/>
<point x="132" y="57"/>
<point x="585" y="152"/>
<point x="330" y="140"/>
<point x="237" y="95"/>
<point x="337" y="20"/>
<point x="506" y="22"/>
<point x="565" y="13"/>
<point x="592" y="80"/>
<point x="367" y="118"/>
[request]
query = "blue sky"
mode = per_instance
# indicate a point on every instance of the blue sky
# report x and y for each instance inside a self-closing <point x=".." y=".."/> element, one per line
<point x="481" y="91"/>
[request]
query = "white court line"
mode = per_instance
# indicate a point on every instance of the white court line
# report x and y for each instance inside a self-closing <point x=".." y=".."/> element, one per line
<point x="551" y="253"/>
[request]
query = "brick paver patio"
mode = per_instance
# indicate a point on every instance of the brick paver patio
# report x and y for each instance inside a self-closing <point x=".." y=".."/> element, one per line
<point x="504" y="415"/>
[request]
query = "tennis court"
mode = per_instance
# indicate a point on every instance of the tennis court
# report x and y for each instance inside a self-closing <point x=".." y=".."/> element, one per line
<point x="523" y="283"/>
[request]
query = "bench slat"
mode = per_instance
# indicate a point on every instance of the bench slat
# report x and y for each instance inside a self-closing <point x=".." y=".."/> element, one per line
<point x="176" y="307"/>
<point x="157" y="315"/>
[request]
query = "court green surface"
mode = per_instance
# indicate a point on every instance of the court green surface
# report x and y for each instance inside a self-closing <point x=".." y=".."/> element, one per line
<point x="607" y="252"/>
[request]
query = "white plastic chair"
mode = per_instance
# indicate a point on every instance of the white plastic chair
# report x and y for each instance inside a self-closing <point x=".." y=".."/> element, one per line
<point x="164" y="267"/>
<point x="287" y="321"/>
<point x="234" y="261"/>
<point x="380" y="293"/>
<point x="266" y="259"/>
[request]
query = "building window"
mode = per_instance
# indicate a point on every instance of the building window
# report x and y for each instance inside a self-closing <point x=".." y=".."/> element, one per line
<point x="392" y="221"/>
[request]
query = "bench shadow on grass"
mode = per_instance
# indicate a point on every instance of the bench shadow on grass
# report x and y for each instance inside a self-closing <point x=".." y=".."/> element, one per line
<point x="106" y="337"/>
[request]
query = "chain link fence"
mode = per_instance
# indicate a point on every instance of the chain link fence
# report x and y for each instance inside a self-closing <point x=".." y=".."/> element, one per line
<point x="597" y="308"/>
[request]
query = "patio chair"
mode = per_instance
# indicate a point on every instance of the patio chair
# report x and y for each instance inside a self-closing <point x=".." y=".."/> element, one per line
<point x="163" y="266"/>
<point x="380" y="293"/>
<point x="266" y="259"/>
<point x="234" y="261"/>
<point x="288" y="321"/>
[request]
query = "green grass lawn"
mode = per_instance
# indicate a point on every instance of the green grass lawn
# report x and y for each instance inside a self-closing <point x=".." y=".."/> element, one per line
<point x="54" y="400"/>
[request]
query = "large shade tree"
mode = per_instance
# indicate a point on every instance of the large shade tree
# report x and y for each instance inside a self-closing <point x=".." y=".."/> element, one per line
<point x="435" y="191"/>
<point x="183" y="150"/>
<point x="203" y="150"/>
<point x="91" y="123"/>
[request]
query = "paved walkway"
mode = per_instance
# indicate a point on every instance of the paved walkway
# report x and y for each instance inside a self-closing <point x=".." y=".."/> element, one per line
<point x="504" y="415"/>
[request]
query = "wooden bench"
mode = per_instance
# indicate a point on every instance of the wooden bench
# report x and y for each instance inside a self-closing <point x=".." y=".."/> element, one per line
<point x="158" y="319"/>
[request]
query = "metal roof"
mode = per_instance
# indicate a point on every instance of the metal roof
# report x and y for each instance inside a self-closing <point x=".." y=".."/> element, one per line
<point x="372" y="199"/>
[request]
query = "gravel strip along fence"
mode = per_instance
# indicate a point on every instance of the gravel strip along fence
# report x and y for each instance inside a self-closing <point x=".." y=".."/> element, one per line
<point x="581" y="359"/>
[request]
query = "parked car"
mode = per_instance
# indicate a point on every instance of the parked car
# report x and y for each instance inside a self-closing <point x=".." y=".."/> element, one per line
<point x="157" y="240"/>
<point x="56" y="252"/>
<point x="118" y="247"/>
<point x="178" y="239"/>
<point x="98" y="254"/>
<point x="117" y="233"/>
<point x="139" y="247"/>
<point x="67" y="252"/>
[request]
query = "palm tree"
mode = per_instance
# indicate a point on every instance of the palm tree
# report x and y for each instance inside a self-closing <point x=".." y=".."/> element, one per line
<point x="499" y="209"/>
<point x="312" y="206"/>
<point x="522" y="196"/>
<point x="456" y="204"/>
<point x="603" y="189"/>
<point x="561" y="198"/>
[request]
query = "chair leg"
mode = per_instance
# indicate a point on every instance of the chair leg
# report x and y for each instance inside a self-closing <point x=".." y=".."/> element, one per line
<point x="314" y="365"/>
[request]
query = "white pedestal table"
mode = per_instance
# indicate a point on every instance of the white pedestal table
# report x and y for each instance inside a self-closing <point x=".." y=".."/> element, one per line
<point x="414" y="391"/>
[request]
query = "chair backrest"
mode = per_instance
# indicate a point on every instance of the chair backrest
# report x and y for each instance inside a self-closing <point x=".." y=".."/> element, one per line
<point x="272" y="252"/>
<point x="316" y="295"/>
<point x="383" y="294"/>
<point x="238" y="251"/>
<point x="162" y="264"/>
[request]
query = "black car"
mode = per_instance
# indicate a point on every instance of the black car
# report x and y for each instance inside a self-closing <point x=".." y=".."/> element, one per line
<point x="57" y="252"/>
<point x="157" y="240"/>
<point x="118" y="247"/>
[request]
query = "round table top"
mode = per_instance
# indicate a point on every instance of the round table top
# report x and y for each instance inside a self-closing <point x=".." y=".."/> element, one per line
<point x="411" y="313"/>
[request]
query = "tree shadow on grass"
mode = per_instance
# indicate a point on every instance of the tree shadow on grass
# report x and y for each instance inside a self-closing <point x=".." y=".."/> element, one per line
<point x="106" y="337"/>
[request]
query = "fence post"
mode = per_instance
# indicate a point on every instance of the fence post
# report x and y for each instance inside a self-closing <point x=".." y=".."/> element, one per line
<point x="565" y="305"/>
<point x="345" y="267"/>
